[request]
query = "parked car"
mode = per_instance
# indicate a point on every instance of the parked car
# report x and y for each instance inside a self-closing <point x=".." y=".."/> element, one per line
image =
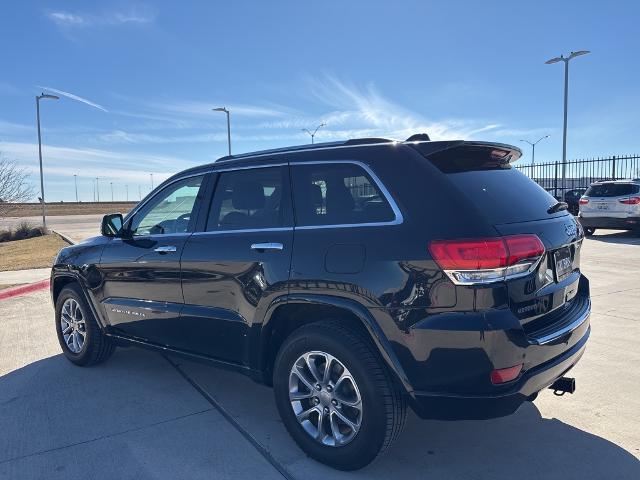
<point x="453" y="287"/>
<point x="611" y="204"/>
<point x="572" y="198"/>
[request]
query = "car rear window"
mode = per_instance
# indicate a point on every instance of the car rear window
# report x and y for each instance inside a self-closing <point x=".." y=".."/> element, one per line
<point x="337" y="194"/>
<point x="612" y="190"/>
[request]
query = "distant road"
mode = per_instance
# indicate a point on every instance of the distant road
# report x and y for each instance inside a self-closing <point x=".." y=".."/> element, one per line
<point x="76" y="227"/>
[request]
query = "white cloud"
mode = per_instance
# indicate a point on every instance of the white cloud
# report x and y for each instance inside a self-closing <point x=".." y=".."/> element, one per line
<point x="74" y="97"/>
<point x="77" y="20"/>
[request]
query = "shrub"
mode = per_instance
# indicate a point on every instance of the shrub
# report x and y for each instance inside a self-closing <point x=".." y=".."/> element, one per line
<point x="23" y="231"/>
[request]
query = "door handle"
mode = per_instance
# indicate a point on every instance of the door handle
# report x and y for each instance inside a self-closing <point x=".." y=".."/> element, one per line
<point x="165" y="249"/>
<point x="268" y="246"/>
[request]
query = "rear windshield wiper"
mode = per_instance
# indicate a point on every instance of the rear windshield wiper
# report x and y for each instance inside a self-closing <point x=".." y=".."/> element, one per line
<point x="558" y="207"/>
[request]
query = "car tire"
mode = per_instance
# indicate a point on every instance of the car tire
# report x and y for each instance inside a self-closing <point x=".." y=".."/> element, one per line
<point x="81" y="339"/>
<point x="354" y="359"/>
<point x="588" y="231"/>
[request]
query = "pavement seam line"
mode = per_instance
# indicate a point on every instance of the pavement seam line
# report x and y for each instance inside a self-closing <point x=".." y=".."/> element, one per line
<point x="250" y="438"/>
<point x="103" y="437"/>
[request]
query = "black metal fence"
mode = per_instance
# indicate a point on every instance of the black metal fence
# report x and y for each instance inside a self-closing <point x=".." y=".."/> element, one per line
<point x="581" y="173"/>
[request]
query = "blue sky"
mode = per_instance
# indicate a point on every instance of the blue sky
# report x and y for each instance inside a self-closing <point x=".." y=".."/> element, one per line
<point x="150" y="72"/>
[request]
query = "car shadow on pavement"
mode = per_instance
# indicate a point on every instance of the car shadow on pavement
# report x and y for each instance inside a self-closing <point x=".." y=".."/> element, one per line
<point x="136" y="417"/>
<point x="612" y="236"/>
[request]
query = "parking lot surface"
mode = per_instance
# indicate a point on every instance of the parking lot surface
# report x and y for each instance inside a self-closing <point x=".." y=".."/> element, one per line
<point x="145" y="416"/>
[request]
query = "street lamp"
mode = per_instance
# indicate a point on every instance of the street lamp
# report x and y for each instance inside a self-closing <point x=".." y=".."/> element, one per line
<point x="98" y="189"/>
<point x="111" y="184"/>
<point x="38" y="98"/>
<point x="314" y="132"/>
<point x="566" y="60"/>
<point x="75" y="182"/>
<point x="126" y="187"/>
<point x="533" y="148"/>
<point x="224" y="109"/>
<point x="151" y="175"/>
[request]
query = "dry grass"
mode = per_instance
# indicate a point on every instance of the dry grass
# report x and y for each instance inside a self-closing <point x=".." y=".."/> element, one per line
<point x="37" y="252"/>
<point x="55" y="209"/>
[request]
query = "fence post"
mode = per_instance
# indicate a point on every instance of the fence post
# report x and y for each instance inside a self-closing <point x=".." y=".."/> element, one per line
<point x="555" y="180"/>
<point x="613" y="168"/>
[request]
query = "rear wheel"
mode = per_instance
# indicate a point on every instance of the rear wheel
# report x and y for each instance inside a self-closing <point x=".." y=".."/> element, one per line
<point x="80" y="337"/>
<point x="336" y="398"/>
<point x="588" y="231"/>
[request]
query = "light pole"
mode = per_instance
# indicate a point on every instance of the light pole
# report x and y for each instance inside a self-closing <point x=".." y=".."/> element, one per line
<point x="111" y="184"/>
<point x="126" y="188"/>
<point x="38" y="98"/>
<point x="139" y="193"/>
<point x="566" y="60"/>
<point x="224" y="109"/>
<point x="533" y="148"/>
<point x="98" y="189"/>
<point x="151" y="175"/>
<point x="75" y="182"/>
<point x="315" y="131"/>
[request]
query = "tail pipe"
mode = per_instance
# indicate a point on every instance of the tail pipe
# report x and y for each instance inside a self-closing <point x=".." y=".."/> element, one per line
<point x="563" y="385"/>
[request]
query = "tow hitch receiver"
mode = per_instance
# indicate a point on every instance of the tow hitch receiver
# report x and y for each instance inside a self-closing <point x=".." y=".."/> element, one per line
<point x="563" y="385"/>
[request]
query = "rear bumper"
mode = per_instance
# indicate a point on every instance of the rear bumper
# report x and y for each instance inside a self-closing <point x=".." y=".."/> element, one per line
<point x="614" y="223"/>
<point x="445" y="406"/>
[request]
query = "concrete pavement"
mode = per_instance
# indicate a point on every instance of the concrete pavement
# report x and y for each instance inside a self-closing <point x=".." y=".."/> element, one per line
<point x="139" y="416"/>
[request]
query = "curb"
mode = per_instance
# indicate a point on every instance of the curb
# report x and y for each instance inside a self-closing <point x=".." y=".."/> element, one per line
<point x="23" y="289"/>
<point x="64" y="237"/>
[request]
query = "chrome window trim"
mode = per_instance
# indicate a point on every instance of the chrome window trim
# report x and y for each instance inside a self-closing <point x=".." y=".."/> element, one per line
<point x="246" y="230"/>
<point x="399" y="219"/>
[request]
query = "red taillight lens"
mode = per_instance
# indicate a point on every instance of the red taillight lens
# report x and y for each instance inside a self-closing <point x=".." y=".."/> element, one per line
<point x="503" y="375"/>
<point x="631" y="201"/>
<point x="486" y="260"/>
<point x="583" y="201"/>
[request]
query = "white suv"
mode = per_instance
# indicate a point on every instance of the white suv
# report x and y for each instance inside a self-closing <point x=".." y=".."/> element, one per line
<point x="612" y="204"/>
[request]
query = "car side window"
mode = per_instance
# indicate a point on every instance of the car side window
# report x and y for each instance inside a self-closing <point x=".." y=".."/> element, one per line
<point x="337" y="194"/>
<point x="253" y="198"/>
<point x="169" y="211"/>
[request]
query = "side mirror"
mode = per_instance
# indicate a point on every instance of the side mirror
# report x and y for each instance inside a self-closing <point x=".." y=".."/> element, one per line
<point x="111" y="225"/>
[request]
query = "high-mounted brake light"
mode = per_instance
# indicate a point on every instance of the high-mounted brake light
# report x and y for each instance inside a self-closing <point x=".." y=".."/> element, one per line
<point x="631" y="201"/>
<point x="469" y="262"/>
<point x="583" y="201"/>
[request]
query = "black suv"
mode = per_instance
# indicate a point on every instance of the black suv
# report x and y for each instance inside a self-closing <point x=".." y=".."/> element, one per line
<point x="356" y="277"/>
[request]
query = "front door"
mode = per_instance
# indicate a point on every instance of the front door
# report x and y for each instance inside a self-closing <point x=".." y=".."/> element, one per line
<point x="233" y="269"/>
<point x="141" y="292"/>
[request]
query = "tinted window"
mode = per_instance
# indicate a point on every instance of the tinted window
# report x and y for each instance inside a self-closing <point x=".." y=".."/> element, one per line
<point x="338" y="193"/>
<point x="247" y="199"/>
<point x="612" y="190"/>
<point x="169" y="211"/>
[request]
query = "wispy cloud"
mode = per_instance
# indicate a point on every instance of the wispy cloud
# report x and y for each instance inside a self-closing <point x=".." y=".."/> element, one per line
<point x="74" y="97"/>
<point x="136" y="16"/>
<point x="189" y="108"/>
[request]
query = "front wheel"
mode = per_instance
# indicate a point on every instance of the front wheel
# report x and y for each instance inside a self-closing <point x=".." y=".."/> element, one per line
<point x="80" y="336"/>
<point x="336" y="398"/>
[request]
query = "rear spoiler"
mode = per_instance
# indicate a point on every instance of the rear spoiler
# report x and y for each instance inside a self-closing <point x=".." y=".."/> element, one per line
<point x="459" y="155"/>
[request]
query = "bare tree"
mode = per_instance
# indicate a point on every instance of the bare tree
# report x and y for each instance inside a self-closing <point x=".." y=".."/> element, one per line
<point x="14" y="185"/>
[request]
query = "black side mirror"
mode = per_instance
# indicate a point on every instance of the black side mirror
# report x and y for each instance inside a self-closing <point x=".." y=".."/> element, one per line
<point x="111" y="225"/>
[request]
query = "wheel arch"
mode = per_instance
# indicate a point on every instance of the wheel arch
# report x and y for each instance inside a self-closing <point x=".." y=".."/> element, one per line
<point x="286" y="315"/>
<point x="61" y="280"/>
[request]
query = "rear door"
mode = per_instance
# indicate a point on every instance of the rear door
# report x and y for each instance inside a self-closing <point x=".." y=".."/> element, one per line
<point x="238" y="263"/>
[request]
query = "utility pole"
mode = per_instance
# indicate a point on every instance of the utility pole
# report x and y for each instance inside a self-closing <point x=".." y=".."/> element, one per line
<point x="566" y="60"/>
<point x="44" y="211"/>
<point x="313" y="134"/>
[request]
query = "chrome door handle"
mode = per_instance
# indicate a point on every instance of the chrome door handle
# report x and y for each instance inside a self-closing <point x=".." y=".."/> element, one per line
<point x="165" y="249"/>
<point x="268" y="246"/>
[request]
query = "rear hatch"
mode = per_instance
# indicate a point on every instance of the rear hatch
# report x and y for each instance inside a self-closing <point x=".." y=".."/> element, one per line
<point x="515" y="205"/>
<point x="609" y="199"/>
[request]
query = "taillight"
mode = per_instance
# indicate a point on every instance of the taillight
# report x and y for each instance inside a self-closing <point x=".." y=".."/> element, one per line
<point x="583" y="201"/>
<point x="631" y="201"/>
<point x="469" y="262"/>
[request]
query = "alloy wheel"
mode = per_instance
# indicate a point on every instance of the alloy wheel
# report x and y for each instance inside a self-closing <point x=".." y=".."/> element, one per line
<point x="73" y="326"/>
<point x="325" y="398"/>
